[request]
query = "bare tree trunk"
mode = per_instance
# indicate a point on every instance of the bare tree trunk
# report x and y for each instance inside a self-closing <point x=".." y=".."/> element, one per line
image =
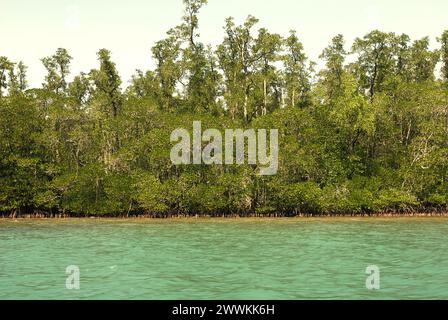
<point x="245" y="107"/>
<point x="293" y="98"/>
<point x="265" y="102"/>
<point x="246" y="100"/>
<point x="372" y="83"/>
<point x="283" y="98"/>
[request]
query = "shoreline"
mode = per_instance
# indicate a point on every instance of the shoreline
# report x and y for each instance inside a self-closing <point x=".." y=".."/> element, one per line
<point x="389" y="215"/>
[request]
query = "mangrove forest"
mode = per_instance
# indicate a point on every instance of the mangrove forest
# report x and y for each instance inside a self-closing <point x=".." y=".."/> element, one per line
<point x="366" y="133"/>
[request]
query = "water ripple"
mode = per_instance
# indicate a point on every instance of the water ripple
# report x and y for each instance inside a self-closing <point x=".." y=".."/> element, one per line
<point x="224" y="259"/>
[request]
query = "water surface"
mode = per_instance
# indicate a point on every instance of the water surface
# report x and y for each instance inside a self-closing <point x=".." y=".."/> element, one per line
<point x="224" y="259"/>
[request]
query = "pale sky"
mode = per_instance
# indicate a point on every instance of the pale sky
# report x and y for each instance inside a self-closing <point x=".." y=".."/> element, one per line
<point x="30" y="29"/>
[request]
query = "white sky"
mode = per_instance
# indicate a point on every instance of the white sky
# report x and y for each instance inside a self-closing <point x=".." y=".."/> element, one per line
<point x="30" y="29"/>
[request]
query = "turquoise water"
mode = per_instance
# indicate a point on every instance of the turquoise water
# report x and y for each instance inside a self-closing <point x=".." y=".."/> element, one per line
<point x="224" y="259"/>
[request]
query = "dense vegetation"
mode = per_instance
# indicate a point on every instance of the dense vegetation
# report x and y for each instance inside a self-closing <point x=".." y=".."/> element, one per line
<point x="361" y="137"/>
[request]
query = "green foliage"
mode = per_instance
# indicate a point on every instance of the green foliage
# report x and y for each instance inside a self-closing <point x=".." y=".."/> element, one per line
<point x="369" y="136"/>
<point x="444" y="52"/>
<point x="58" y="68"/>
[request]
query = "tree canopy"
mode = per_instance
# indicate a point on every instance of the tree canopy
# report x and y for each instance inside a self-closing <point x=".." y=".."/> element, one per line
<point x="365" y="136"/>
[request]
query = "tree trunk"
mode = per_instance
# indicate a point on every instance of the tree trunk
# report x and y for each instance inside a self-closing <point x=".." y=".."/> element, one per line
<point x="283" y="98"/>
<point x="265" y="101"/>
<point x="293" y="98"/>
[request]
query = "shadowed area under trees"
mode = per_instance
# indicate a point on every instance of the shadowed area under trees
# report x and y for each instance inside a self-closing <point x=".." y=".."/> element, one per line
<point x="365" y="137"/>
